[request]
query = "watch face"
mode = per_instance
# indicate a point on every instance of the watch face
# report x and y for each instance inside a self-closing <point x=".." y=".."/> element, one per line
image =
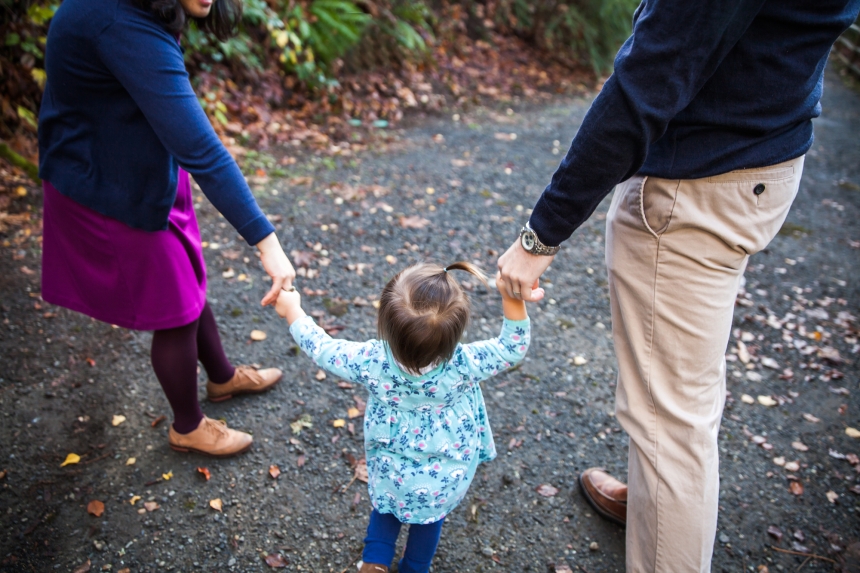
<point x="528" y="241"/>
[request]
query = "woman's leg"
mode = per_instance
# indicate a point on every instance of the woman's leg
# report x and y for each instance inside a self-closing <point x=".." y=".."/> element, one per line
<point x="421" y="547"/>
<point x="382" y="532"/>
<point x="209" y="349"/>
<point x="174" y="359"/>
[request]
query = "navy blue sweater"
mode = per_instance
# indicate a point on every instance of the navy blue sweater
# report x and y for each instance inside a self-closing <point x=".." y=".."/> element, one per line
<point x="701" y="88"/>
<point x="119" y="114"/>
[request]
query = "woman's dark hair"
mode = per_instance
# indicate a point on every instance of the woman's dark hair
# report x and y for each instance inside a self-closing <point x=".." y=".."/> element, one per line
<point x="423" y="313"/>
<point x="221" y="22"/>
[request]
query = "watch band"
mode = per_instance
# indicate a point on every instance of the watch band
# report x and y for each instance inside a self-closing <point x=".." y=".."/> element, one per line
<point x="535" y="246"/>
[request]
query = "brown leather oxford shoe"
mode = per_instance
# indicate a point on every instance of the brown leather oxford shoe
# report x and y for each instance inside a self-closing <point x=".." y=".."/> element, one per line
<point x="246" y="380"/>
<point x="607" y="495"/>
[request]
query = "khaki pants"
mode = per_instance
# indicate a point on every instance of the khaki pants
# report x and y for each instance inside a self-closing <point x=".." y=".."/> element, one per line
<point x="675" y="252"/>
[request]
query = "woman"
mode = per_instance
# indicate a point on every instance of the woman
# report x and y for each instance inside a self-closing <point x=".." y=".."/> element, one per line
<point x="120" y="128"/>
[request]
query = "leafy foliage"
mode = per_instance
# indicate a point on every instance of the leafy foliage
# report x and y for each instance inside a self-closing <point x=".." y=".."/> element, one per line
<point x="292" y="50"/>
<point x="574" y="31"/>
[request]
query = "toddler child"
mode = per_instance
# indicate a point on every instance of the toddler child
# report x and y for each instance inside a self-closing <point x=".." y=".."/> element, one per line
<point x="425" y="426"/>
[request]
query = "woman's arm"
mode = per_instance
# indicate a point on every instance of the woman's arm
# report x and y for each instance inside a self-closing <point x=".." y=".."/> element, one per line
<point x="148" y="63"/>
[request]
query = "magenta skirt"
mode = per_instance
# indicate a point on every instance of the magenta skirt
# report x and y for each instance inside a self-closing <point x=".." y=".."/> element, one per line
<point x="136" y="279"/>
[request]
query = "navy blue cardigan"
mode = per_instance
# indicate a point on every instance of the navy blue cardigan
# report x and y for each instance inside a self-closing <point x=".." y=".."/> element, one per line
<point x="701" y="87"/>
<point x="119" y="114"/>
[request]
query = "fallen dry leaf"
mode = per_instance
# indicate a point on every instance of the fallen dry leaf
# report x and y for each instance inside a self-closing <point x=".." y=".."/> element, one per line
<point x="832" y="496"/>
<point x="134" y="499"/>
<point x="390" y="259"/>
<point x="151" y="506"/>
<point x="3" y="474"/>
<point x="215" y="504"/>
<point x="796" y="488"/>
<point x="303" y="422"/>
<point x="767" y="401"/>
<point x="84" y="568"/>
<point x="130" y="461"/>
<point x="413" y="222"/>
<point x="546" y="490"/>
<point x="792" y="466"/>
<point x="339" y="423"/>
<point x="563" y="568"/>
<point x="300" y="461"/>
<point x="800" y="446"/>
<point x="157" y="421"/>
<point x="747" y="399"/>
<point x="71" y="459"/>
<point x="361" y="470"/>
<point x="95" y="507"/>
<point x="811" y="418"/>
<point x="775" y="532"/>
<point x="320" y="375"/>
<point x="258" y="335"/>
<point x="852" y="432"/>
<point x="353" y="413"/>
<point x="579" y="361"/>
<point x="117" y="420"/>
<point x="343" y="384"/>
<point x="780" y="461"/>
<point x="274" y="471"/>
<point x="275" y="560"/>
<point x="167" y="476"/>
<point x="205" y="473"/>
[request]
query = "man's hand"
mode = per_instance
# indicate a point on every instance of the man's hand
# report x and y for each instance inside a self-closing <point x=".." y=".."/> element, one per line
<point x="519" y="272"/>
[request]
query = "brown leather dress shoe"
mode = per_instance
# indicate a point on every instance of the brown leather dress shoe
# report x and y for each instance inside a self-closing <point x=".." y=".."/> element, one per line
<point x="246" y="380"/>
<point x="371" y="568"/>
<point x="212" y="438"/>
<point x="607" y="495"/>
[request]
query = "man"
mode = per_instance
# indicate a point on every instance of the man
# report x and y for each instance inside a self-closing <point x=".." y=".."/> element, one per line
<point x="706" y="121"/>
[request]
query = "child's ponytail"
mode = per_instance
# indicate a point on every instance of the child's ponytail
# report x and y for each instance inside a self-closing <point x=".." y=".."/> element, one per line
<point x="469" y="268"/>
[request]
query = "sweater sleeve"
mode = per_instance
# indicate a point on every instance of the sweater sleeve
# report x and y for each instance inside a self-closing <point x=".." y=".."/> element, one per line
<point x="489" y="357"/>
<point x="149" y="65"/>
<point x="675" y="47"/>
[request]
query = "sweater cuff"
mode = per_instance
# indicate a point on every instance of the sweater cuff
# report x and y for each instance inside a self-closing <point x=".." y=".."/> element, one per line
<point x="256" y="230"/>
<point x="551" y="229"/>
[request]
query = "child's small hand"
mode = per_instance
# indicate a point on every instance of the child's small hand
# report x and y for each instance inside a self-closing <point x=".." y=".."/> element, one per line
<point x="289" y="305"/>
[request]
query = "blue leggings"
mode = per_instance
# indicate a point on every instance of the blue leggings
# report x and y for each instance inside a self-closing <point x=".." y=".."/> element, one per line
<point x="382" y="532"/>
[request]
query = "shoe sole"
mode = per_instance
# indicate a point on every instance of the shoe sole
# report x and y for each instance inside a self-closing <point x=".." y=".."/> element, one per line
<point x="196" y="451"/>
<point x="603" y="513"/>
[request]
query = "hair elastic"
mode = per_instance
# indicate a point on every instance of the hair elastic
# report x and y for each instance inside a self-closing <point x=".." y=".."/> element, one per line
<point x="445" y="270"/>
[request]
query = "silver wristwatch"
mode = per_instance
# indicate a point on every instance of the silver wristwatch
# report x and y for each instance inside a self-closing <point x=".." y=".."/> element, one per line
<point x="530" y="242"/>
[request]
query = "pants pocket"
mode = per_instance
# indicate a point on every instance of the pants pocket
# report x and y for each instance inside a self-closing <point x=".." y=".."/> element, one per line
<point x="657" y="203"/>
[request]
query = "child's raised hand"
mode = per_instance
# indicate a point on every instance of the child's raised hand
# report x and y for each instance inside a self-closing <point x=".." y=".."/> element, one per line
<point x="289" y="305"/>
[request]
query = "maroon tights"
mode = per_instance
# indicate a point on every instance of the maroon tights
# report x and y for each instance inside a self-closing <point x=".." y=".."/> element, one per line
<point x="175" y="352"/>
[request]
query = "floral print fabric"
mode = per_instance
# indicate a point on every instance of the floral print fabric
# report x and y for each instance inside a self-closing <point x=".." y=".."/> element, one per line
<point x="424" y="436"/>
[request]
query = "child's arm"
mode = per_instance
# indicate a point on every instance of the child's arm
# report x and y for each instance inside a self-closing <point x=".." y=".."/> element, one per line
<point x="342" y="358"/>
<point x="513" y="308"/>
<point x="289" y="305"/>
<point x="488" y="357"/>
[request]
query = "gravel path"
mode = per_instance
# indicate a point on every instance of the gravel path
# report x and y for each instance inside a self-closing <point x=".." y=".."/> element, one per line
<point x="462" y="188"/>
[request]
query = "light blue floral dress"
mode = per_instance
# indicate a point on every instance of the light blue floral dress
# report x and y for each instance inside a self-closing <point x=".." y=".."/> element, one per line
<point x="424" y="436"/>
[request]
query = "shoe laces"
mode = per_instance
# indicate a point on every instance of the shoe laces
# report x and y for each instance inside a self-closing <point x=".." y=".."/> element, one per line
<point x="217" y="427"/>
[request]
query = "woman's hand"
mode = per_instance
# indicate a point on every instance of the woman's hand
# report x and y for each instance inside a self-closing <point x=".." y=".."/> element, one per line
<point x="289" y="305"/>
<point x="277" y="266"/>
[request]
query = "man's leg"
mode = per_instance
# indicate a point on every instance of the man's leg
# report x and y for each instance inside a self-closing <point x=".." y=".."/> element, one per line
<point x="675" y="252"/>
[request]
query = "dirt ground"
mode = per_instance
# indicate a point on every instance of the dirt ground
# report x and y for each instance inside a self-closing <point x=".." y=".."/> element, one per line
<point x="462" y="187"/>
